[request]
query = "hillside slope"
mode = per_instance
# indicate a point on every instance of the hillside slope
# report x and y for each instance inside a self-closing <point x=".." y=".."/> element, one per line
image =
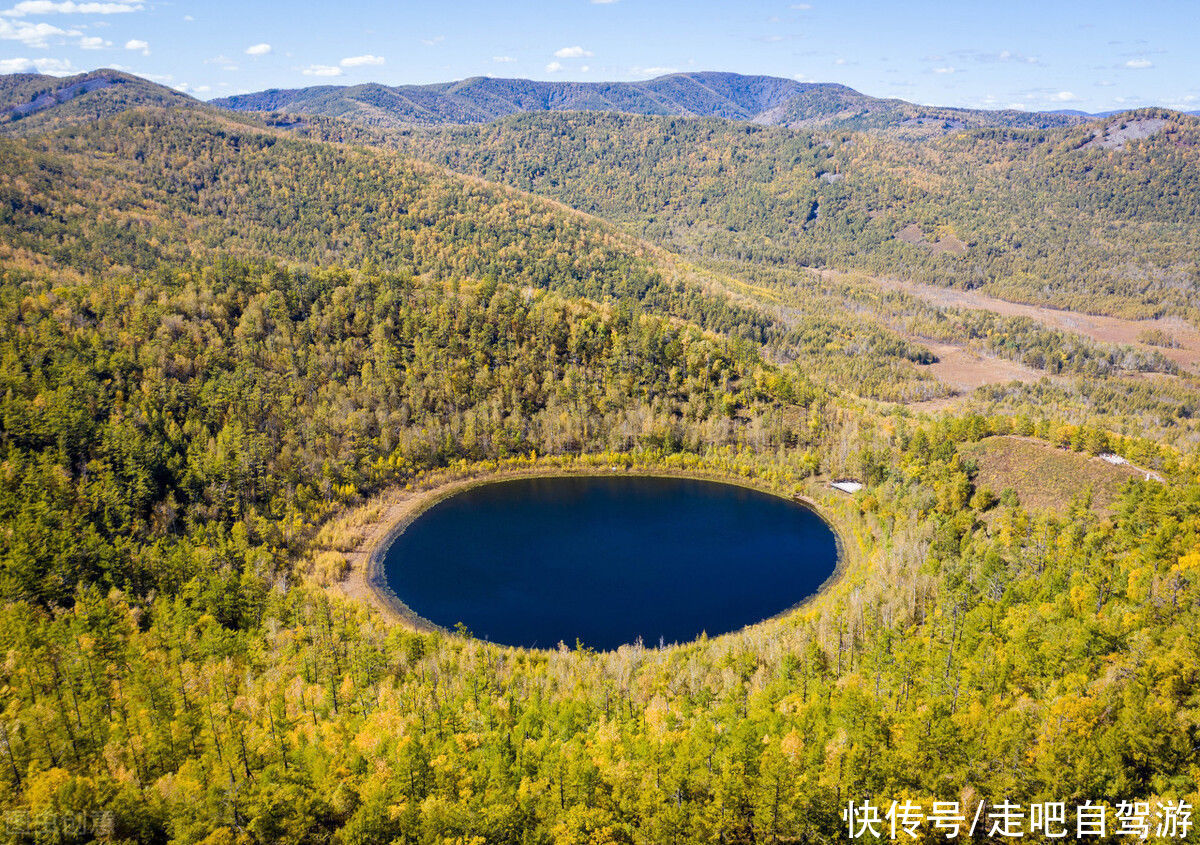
<point x="158" y="186"/>
<point x="154" y="186"/>
<point x="1099" y="217"/>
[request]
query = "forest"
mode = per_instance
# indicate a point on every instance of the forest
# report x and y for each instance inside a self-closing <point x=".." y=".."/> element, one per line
<point x="1032" y="215"/>
<point x="222" y="340"/>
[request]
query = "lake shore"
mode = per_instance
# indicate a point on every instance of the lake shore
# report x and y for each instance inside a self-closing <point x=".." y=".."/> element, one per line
<point x="389" y="514"/>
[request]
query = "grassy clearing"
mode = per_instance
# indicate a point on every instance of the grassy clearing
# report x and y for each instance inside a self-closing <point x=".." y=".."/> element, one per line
<point x="1045" y="477"/>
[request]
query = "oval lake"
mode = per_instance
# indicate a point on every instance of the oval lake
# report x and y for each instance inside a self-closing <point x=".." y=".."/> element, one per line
<point x="606" y="560"/>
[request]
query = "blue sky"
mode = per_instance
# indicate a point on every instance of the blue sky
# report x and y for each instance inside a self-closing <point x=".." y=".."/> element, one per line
<point x="1035" y="55"/>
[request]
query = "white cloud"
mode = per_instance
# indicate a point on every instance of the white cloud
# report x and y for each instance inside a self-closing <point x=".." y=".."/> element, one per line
<point x="51" y="67"/>
<point x="30" y="34"/>
<point x="224" y="61"/>
<point x="585" y="69"/>
<point x="575" y="52"/>
<point x="503" y="59"/>
<point x="1138" y="64"/>
<point x="1062" y="97"/>
<point x="93" y="42"/>
<point x="802" y="7"/>
<point x="49" y="7"/>
<point x="653" y="71"/>
<point x="603" y="2"/>
<point x="361" y="61"/>
<point x="1002" y="56"/>
<point x="258" y="49"/>
<point x="554" y="67"/>
<point x="322" y="70"/>
<point x="138" y="44"/>
<point x="437" y="39"/>
<point x="943" y="70"/>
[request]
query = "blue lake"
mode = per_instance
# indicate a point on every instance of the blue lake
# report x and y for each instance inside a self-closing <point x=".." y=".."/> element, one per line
<point x="606" y="560"/>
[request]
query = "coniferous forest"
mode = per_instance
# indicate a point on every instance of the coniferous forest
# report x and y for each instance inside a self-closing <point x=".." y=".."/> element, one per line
<point x="227" y="338"/>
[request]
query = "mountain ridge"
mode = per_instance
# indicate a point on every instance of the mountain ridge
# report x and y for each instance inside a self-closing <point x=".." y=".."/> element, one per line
<point x="27" y="100"/>
<point x="760" y="99"/>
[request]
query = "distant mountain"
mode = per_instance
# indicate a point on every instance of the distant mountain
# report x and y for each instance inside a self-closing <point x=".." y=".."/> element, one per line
<point x="1099" y="114"/>
<point x="28" y="101"/>
<point x="760" y="99"/>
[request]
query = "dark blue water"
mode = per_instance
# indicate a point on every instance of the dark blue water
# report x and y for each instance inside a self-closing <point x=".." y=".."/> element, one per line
<point x="606" y="560"/>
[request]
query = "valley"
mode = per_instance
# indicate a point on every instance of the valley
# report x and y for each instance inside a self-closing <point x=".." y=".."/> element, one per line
<point x="1174" y="337"/>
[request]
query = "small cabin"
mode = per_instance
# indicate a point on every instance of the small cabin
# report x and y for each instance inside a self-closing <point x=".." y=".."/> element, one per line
<point x="847" y="485"/>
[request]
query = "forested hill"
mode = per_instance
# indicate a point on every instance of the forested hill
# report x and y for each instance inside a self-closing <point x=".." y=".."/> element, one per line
<point x="1099" y="217"/>
<point x="31" y="102"/>
<point x="171" y="185"/>
<point x="762" y="99"/>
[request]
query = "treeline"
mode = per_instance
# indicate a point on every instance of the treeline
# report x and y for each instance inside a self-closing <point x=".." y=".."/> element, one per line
<point x="854" y="334"/>
<point x="1164" y="411"/>
<point x="1025" y="340"/>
